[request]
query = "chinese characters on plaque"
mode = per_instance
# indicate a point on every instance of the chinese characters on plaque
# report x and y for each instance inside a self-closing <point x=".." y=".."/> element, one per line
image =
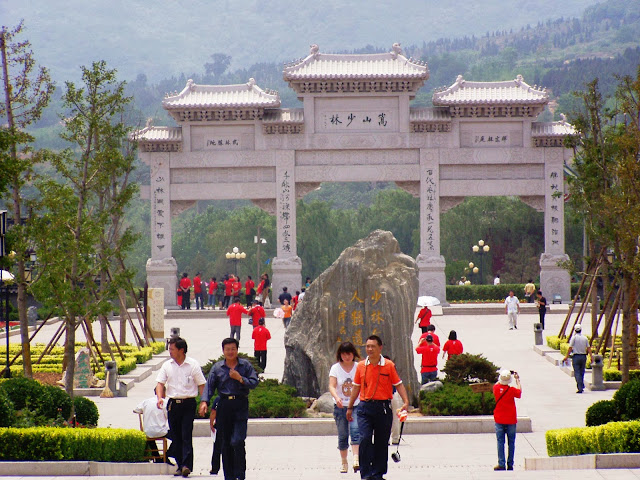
<point x="285" y="211"/>
<point x="344" y="121"/>
<point x="359" y="317"/>
<point x="557" y="198"/>
<point x="222" y="143"/>
<point x="161" y="214"/>
<point x="490" y="140"/>
<point x="430" y="198"/>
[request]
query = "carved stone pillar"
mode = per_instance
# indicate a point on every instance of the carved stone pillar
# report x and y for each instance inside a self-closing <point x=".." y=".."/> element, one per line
<point x="287" y="266"/>
<point x="554" y="280"/>
<point x="162" y="269"/>
<point x="430" y="263"/>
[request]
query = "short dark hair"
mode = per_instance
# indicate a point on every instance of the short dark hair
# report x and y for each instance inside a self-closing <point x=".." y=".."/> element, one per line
<point x="431" y="328"/>
<point x="237" y="300"/>
<point x="179" y="342"/>
<point x="453" y="335"/>
<point x="249" y="277"/>
<point x="375" y="338"/>
<point x="539" y="292"/>
<point x="347" y="347"/>
<point x="229" y="341"/>
<point x="284" y="289"/>
<point x="213" y="278"/>
<point x="429" y="338"/>
<point x="261" y="321"/>
<point x="185" y="274"/>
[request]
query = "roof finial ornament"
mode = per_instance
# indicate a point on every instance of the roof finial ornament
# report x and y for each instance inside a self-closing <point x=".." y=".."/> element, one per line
<point x="190" y="84"/>
<point x="251" y="83"/>
<point x="396" y="50"/>
<point x="519" y="79"/>
<point x="459" y="79"/>
<point x="563" y="118"/>
<point x="149" y="122"/>
<point x="313" y="49"/>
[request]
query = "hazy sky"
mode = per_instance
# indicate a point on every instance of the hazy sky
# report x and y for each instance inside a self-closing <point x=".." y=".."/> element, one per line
<point x="163" y="37"/>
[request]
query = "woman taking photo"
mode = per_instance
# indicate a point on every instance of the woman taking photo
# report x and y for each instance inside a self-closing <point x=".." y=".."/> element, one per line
<point x="340" y="382"/>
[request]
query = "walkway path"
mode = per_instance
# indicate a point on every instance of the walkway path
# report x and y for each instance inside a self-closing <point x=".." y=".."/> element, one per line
<point x="549" y="398"/>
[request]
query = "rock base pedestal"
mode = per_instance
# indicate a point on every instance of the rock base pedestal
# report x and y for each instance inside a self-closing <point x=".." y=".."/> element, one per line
<point x="554" y="280"/>
<point x="431" y="277"/>
<point x="163" y="273"/>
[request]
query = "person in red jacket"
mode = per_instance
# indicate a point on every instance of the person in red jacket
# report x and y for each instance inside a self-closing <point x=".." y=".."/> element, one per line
<point x="185" y="291"/>
<point x="431" y="330"/>
<point x="257" y="312"/>
<point x="260" y="336"/>
<point x="429" y="352"/>
<point x="234" y="312"/>
<point x="505" y="416"/>
<point x="228" y="282"/>
<point x="453" y="346"/>
<point x="236" y="287"/>
<point x="197" y="290"/>
<point x="295" y="300"/>
<point x="424" y="317"/>
<point x="213" y="293"/>
<point x="249" y="290"/>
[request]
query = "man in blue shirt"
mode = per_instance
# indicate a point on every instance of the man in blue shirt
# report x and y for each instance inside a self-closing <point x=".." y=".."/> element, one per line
<point x="232" y="377"/>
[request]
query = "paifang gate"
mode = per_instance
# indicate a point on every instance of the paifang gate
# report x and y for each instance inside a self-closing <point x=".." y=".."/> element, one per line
<point x="235" y="142"/>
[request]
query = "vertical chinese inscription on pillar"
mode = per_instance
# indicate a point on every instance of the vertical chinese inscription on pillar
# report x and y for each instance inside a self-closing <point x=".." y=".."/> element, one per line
<point x="161" y="213"/>
<point x="557" y="199"/>
<point x="430" y="197"/>
<point x="285" y="212"/>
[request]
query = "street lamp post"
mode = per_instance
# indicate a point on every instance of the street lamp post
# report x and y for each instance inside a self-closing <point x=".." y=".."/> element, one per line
<point x="258" y="241"/>
<point x="236" y="255"/>
<point x="473" y="268"/>
<point x="481" y="248"/>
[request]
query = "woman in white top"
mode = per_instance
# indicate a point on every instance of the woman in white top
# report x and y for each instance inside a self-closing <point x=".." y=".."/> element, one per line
<point x="341" y="378"/>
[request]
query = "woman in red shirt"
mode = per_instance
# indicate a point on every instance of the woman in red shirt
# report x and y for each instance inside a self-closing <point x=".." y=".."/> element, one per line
<point x="424" y="317"/>
<point x="249" y="291"/>
<point x="453" y="346"/>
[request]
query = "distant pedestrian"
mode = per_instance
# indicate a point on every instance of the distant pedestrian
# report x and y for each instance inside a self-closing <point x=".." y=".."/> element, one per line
<point x="341" y="378"/>
<point x="505" y="416"/>
<point x="512" y="309"/>
<point x="234" y="312"/>
<point x="579" y="349"/>
<point x="288" y="311"/>
<point x="303" y="291"/>
<point x="529" y="291"/>
<point x="429" y="352"/>
<point x="285" y="295"/>
<point x="424" y="317"/>
<point x="213" y="293"/>
<point x="260" y="336"/>
<point x="496" y="281"/>
<point x="452" y="346"/>
<point x="373" y="384"/>
<point x="431" y="330"/>
<point x="236" y="288"/>
<point x="185" y="291"/>
<point x="263" y="289"/>
<point x="257" y="312"/>
<point x="249" y="291"/>
<point x="307" y="282"/>
<point x="226" y="301"/>
<point x="197" y="290"/>
<point x="542" y="307"/>
<point x="295" y="299"/>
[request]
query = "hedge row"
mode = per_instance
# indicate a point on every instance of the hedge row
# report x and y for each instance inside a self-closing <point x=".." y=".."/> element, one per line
<point x="615" y="375"/>
<point x="493" y="292"/>
<point x="99" y="444"/>
<point x="614" y="437"/>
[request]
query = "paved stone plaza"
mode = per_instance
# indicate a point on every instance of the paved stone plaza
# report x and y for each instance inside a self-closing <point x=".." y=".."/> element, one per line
<point x="549" y="398"/>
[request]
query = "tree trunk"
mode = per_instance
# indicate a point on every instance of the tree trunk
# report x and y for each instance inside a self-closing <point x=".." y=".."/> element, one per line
<point x="594" y="292"/>
<point x="123" y="316"/>
<point x="629" y="326"/>
<point x="69" y="353"/>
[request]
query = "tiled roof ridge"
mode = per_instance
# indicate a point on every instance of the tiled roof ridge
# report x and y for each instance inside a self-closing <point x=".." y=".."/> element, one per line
<point x="192" y="87"/>
<point x="461" y="83"/>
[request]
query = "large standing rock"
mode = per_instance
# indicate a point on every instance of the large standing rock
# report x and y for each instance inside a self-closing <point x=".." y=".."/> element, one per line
<point x="370" y="289"/>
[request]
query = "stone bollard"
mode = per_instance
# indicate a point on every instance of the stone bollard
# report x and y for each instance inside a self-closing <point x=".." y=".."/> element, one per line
<point x="111" y="367"/>
<point x="537" y="332"/>
<point x="597" y="380"/>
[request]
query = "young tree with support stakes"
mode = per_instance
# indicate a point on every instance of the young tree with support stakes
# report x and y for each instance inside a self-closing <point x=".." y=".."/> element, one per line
<point x="606" y="190"/>
<point x="74" y="235"/>
<point x="27" y="91"/>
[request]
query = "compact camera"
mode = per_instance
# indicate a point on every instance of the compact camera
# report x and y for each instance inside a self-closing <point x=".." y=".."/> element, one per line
<point x="395" y="456"/>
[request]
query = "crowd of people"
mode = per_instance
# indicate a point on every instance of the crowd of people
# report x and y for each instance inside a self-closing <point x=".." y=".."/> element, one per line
<point x="221" y="294"/>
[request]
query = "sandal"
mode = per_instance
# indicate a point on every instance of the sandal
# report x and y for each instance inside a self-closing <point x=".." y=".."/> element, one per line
<point x="344" y="468"/>
<point x="356" y="464"/>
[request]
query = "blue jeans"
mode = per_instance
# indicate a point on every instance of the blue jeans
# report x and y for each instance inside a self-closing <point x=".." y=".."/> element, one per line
<point x="346" y="428"/>
<point x="579" y="364"/>
<point x="429" y="376"/>
<point x="212" y="299"/>
<point x="503" y="429"/>
<point x="374" y="419"/>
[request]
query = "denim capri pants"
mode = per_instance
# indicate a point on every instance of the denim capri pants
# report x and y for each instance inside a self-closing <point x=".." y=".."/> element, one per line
<point x="346" y="428"/>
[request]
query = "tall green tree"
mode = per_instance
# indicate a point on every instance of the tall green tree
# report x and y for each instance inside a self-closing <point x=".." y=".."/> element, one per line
<point x="606" y="191"/>
<point x="27" y="91"/>
<point x="73" y="235"/>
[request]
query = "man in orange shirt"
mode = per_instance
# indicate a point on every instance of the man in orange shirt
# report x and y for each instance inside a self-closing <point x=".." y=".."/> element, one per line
<point x="234" y="312"/>
<point x="374" y="381"/>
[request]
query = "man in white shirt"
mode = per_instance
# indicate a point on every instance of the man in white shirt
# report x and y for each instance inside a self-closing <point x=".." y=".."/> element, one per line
<point x="183" y="379"/>
<point x="155" y="423"/>
<point x="512" y="309"/>
<point x="496" y="281"/>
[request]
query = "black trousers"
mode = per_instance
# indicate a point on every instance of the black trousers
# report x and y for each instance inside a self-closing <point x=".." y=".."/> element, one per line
<point x="261" y="357"/>
<point x="249" y="300"/>
<point x="231" y="419"/>
<point x="374" y="421"/>
<point x="181" y="414"/>
<point x="542" y="313"/>
<point x="217" y="452"/>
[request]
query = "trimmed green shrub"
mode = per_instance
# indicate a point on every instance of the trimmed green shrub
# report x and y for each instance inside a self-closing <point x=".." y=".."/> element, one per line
<point x="553" y="341"/>
<point x="54" y="402"/>
<point x="627" y="400"/>
<point x="490" y="292"/>
<point x="86" y="411"/>
<point x="601" y="412"/>
<point x="614" y="437"/>
<point x="271" y="399"/>
<point x="454" y="399"/>
<point x="7" y="410"/>
<point x="615" y="375"/>
<point x="98" y="444"/>
<point x="22" y="391"/>
<point x="470" y="368"/>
